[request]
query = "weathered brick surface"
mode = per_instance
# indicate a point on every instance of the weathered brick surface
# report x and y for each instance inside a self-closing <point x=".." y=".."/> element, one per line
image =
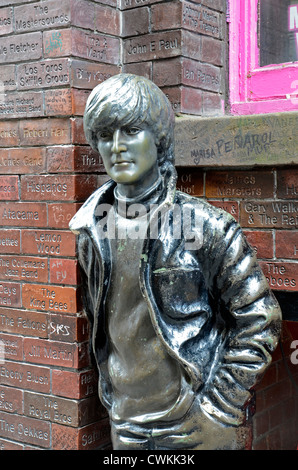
<point x="75" y="384"/>
<point x="48" y="242"/>
<point x="17" y="48"/>
<point x="49" y="298"/>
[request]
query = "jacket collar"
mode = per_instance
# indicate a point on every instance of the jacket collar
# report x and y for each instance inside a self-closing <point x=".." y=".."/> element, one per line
<point x="84" y="219"/>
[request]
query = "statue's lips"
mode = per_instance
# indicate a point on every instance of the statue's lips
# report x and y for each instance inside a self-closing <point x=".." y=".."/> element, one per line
<point x="122" y="164"/>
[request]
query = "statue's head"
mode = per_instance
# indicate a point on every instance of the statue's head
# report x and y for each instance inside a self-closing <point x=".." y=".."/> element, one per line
<point x="127" y="100"/>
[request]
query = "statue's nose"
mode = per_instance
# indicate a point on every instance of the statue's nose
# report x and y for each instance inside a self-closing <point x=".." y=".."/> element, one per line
<point x="118" y="142"/>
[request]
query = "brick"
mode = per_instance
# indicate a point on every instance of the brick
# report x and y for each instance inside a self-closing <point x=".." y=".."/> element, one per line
<point x="275" y="415"/>
<point x="198" y="75"/>
<point x="215" y="4"/>
<point x="48" y="73"/>
<point x="269" y="378"/>
<point x="160" y="17"/>
<point x="190" y="182"/>
<point x="87" y="160"/>
<point x="63" y="271"/>
<point x="9" y="134"/>
<point x="77" y="130"/>
<point x="232" y="207"/>
<point x="49" y="298"/>
<point x="6" y="21"/>
<point x="45" y="132"/>
<point x="61" y="410"/>
<point x="188" y="72"/>
<point x="261" y="423"/>
<point x="13" y="347"/>
<point x="191" y="101"/>
<point x="174" y="96"/>
<point x="107" y="20"/>
<point x="261" y="242"/>
<point x="143" y="69"/>
<point x="68" y="328"/>
<point x="213" y="104"/>
<point x="81" y="159"/>
<point x="87" y="74"/>
<point x="239" y="184"/>
<point x="152" y="46"/>
<point x="201" y="19"/>
<point x="281" y="275"/>
<point x="23" y="429"/>
<point x="58" y="102"/>
<point x="8" y="77"/>
<point x="22" y="160"/>
<point x="9" y="188"/>
<point x="102" y="179"/>
<point x="23" y="268"/>
<point x="23" y="214"/>
<point x="260" y="443"/>
<point x="191" y="45"/>
<point x="167" y="72"/>
<point x="74" y="384"/>
<point x="10" y="294"/>
<point x="96" y="47"/>
<point x="184" y="99"/>
<point x="36" y="17"/>
<point x="57" y="188"/>
<point x="135" y="22"/>
<point x="212" y="51"/>
<point x="48" y="243"/>
<point x="21" y="47"/>
<point x="277" y="393"/>
<point x="83" y="14"/>
<point x="79" y="99"/>
<point x="125" y="4"/>
<point x="273" y="214"/>
<point x="23" y="322"/>
<point x="25" y="376"/>
<point x="274" y="439"/>
<point x="61" y="214"/>
<point x="286" y="244"/>
<point x="18" y="105"/>
<point x="86" y="438"/>
<point x="10" y="241"/>
<point x="59" y="159"/>
<point x="287" y="184"/>
<point x="55" y="353"/>
<point x="7" y="445"/>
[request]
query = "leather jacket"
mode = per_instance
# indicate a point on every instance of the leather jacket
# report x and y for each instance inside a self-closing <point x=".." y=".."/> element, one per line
<point x="211" y="306"/>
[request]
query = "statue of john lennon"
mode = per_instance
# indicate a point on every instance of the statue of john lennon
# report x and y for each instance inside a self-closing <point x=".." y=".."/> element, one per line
<point x="181" y="331"/>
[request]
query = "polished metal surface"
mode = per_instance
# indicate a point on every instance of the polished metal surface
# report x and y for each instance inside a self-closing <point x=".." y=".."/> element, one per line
<point x="183" y="321"/>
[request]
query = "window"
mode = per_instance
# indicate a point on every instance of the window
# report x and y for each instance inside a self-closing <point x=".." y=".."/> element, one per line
<point x="263" y="56"/>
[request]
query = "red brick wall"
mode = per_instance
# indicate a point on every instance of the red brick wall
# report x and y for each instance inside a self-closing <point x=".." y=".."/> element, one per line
<point x="52" y="54"/>
<point x="180" y="46"/>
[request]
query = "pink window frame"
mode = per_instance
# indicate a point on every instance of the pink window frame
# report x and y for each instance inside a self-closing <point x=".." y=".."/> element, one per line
<point x="255" y="89"/>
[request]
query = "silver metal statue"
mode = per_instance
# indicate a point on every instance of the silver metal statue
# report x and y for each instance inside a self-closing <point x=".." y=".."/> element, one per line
<point x="183" y="321"/>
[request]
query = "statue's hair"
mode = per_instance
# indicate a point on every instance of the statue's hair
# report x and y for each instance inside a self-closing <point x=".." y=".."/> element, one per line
<point x="130" y="100"/>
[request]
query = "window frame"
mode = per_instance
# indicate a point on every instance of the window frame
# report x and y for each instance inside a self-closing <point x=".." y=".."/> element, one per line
<point x="255" y="89"/>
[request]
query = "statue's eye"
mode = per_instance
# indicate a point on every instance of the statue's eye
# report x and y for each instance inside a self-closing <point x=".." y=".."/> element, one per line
<point x="132" y="130"/>
<point x="104" y="135"/>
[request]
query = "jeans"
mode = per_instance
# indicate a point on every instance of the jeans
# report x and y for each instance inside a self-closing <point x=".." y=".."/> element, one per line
<point x="195" y="431"/>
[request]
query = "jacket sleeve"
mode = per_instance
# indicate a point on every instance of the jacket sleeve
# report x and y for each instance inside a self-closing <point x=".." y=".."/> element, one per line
<point x="251" y="316"/>
<point x="88" y="280"/>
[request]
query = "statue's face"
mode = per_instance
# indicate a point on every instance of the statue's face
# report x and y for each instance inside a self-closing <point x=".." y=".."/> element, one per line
<point x="129" y="154"/>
